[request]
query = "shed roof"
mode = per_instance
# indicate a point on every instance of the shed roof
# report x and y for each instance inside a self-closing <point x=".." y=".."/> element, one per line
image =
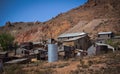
<point x="105" y="32"/>
<point x="100" y="44"/>
<point x="72" y="39"/>
<point x="72" y="34"/>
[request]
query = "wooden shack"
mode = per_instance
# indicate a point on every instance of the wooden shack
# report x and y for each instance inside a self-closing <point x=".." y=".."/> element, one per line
<point x="101" y="48"/>
<point x="79" y="40"/>
<point x="105" y="35"/>
<point x="82" y="42"/>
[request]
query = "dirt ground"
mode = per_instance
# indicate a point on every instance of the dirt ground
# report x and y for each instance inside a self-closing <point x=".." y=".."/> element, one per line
<point x="101" y="64"/>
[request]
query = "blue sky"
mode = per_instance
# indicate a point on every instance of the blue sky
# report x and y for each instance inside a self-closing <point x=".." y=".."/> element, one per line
<point x="34" y="10"/>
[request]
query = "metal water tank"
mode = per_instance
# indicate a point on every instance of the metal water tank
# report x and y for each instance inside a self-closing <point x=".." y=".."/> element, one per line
<point x="52" y="52"/>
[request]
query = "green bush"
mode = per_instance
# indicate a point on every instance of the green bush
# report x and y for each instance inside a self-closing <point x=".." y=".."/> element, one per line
<point x="6" y="41"/>
<point x="113" y="43"/>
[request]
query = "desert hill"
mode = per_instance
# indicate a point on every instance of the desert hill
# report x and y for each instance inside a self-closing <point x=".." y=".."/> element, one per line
<point x="92" y="17"/>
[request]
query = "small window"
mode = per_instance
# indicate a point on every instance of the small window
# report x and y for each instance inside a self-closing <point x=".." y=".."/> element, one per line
<point x="78" y="41"/>
<point x="98" y="35"/>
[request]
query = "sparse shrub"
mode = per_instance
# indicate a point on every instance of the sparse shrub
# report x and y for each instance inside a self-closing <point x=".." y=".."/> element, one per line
<point x="46" y="71"/>
<point x="81" y="62"/>
<point x="62" y="65"/>
<point x="113" y="43"/>
<point x="91" y="70"/>
<point x="74" y="72"/>
<point x="85" y="66"/>
<point x="13" y="69"/>
<point x="20" y="28"/>
<point x="90" y="62"/>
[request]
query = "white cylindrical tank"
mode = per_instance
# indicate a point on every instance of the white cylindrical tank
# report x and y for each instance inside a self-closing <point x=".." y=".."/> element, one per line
<point x="52" y="52"/>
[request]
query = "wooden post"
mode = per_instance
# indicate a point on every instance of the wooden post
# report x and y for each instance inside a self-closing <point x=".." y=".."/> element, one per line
<point x="1" y="66"/>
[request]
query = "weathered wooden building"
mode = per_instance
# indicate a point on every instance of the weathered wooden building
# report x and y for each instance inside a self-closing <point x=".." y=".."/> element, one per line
<point x="103" y="48"/>
<point x="78" y="40"/>
<point x="105" y="35"/>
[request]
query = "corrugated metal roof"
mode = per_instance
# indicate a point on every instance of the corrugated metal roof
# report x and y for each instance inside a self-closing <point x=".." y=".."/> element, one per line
<point x="72" y="34"/>
<point x="105" y="32"/>
<point x="100" y="44"/>
<point x="72" y="39"/>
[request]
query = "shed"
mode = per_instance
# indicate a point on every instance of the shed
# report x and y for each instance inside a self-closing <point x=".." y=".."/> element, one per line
<point x="105" y="35"/>
<point x="103" y="48"/>
<point x="82" y="42"/>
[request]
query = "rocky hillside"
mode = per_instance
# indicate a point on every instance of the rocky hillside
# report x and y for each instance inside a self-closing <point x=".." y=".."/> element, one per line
<point x="100" y="15"/>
